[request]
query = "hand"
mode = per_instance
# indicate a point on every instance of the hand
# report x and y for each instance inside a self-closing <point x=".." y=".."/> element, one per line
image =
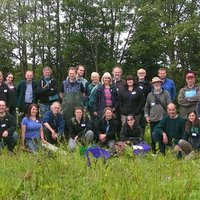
<point x="102" y="137"/>
<point x="165" y="138"/>
<point x="148" y="119"/>
<point x="54" y="135"/>
<point x="5" y="134"/>
<point x="76" y="138"/>
<point x="44" y="141"/>
<point x="95" y="113"/>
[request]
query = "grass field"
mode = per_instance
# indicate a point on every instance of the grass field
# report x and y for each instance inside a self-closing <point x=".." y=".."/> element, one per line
<point x="44" y="176"/>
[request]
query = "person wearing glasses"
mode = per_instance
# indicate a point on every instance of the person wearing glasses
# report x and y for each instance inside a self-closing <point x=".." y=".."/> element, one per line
<point x="131" y="131"/>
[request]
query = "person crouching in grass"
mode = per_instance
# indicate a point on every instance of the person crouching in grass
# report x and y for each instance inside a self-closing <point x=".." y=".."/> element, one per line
<point x="31" y="130"/>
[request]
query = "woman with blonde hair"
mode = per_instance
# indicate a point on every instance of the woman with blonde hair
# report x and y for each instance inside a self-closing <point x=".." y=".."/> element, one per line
<point x="106" y="96"/>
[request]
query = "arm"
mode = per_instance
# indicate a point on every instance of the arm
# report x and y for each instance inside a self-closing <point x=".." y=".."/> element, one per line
<point x="42" y="135"/>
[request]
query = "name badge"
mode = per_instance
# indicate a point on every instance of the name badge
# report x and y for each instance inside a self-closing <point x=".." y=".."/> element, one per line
<point x="153" y="104"/>
<point x="194" y="134"/>
<point x="3" y="125"/>
<point x="5" y="90"/>
<point x="133" y="92"/>
<point x="141" y="87"/>
<point x="82" y="125"/>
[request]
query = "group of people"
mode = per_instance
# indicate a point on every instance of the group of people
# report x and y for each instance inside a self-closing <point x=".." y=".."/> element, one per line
<point x="101" y="111"/>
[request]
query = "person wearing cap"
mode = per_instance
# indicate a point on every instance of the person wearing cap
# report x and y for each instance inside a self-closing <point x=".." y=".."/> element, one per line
<point x="167" y="84"/>
<point x="156" y="106"/>
<point x="189" y="95"/>
<point x="131" y="100"/>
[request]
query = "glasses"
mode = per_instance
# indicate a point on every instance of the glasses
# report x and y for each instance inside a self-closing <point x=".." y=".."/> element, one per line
<point x="129" y="120"/>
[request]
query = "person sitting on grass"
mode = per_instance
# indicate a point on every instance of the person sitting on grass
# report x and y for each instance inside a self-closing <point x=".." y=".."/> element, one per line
<point x="31" y="130"/>
<point x="107" y="128"/>
<point x="191" y="137"/>
<point x="169" y="130"/>
<point x="53" y="123"/>
<point x="80" y="129"/>
<point x="131" y="132"/>
<point x="8" y="135"/>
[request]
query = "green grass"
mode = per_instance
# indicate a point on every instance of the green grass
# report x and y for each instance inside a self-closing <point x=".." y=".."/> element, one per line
<point x="26" y="176"/>
<point x="47" y="176"/>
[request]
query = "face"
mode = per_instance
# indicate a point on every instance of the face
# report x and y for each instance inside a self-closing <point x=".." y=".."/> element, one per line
<point x="72" y="74"/>
<point x="162" y="74"/>
<point x="190" y="80"/>
<point x="78" y="113"/>
<point x="29" y="76"/>
<point x="95" y="78"/>
<point x="80" y="71"/>
<point x="106" y="80"/>
<point x="55" y="108"/>
<point x="34" y="111"/>
<point x="46" y="73"/>
<point x="117" y="72"/>
<point x="141" y="74"/>
<point x="108" y="114"/>
<point x="130" y="82"/>
<point x="171" y="110"/>
<point x="9" y="78"/>
<point x="2" y="107"/>
<point x="157" y="85"/>
<point x="192" y="117"/>
<point x="130" y="121"/>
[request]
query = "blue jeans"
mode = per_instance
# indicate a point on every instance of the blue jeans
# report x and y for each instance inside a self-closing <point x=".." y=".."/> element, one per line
<point x="33" y="144"/>
<point x="43" y="109"/>
<point x="9" y="141"/>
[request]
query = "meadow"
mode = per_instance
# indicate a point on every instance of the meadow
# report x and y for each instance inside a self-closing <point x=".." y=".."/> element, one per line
<point x="54" y="176"/>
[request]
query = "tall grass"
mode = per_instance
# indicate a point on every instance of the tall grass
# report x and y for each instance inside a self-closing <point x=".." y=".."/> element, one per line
<point x="44" y="176"/>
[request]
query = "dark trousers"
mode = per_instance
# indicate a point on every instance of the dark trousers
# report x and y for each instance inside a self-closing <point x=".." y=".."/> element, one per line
<point x="153" y="143"/>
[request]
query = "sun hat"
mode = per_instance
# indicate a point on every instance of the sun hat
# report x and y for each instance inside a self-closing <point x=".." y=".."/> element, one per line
<point x="156" y="79"/>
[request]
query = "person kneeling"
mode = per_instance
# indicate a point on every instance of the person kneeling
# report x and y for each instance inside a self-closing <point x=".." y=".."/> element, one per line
<point x="80" y="129"/>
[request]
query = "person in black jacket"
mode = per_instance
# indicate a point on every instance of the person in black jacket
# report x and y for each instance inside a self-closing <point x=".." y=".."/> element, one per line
<point x="8" y="136"/>
<point x="80" y="129"/>
<point x="47" y="91"/>
<point x="131" y="100"/>
<point x="131" y="131"/>
<point x="107" y="128"/>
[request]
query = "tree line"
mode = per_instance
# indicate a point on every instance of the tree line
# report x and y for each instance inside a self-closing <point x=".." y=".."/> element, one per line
<point x="99" y="34"/>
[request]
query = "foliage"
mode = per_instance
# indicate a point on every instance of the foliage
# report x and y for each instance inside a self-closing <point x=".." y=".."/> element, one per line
<point x="25" y="176"/>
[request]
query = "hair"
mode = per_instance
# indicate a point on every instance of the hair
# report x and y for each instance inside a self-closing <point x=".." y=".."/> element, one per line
<point x="47" y="68"/>
<point x="71" y="68"/>
<point x="130" y="77"/>
<point x="105" y="109"/>
<point x="94" y="74"/>
<point x="162" y="69"/>
<point x="56" y="102"/>
<point x="106" y="74"/>
<point x="189" y="71"/>
<point x="79" y="108"/>
<point x="188" y="122"/>
<point x="117" y="66"/>
<point x="141" y="70"/>
<point x="29" y="110"/>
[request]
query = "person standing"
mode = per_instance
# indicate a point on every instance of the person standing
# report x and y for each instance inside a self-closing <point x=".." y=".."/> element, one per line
<point x="47" y="91"/>
<point x="72" y="95"/>
<point x="167" y="84"/>
<point x="189" y="95"/>
<point x="156" y="107"/>
<point x="80" y="75"/>
<point x="26" y="92"/>
<point x="12" y="100"/>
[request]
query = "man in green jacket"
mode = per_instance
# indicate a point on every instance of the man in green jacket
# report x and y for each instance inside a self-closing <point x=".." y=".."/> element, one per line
<point x="169" y="130"/>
